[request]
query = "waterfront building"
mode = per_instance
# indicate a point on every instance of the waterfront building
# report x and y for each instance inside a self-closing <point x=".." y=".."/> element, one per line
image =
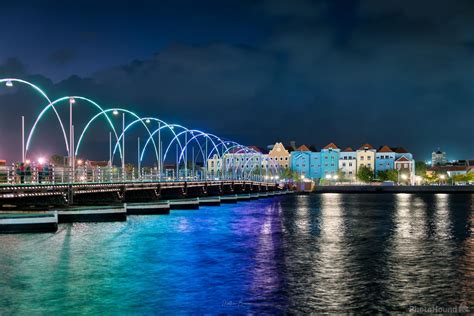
<point x="329" y="160"/>
<point x="438" y="158"/>
<point x="306" y="163"/>
<point x="405" y="168"/>
<point x="214" y="166"/>
<point x="348" y="163"/>
<point x="366" y="157"/>
<point x="384" y="159"/>
<point x="279" y="155"/>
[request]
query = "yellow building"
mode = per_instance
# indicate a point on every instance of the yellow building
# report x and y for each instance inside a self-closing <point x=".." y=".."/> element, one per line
<point x="279" y="154"/>
<point x="366" y="157"/>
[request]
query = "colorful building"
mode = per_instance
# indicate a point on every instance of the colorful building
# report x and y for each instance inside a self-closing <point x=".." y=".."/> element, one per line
<point x="384" y="159"/>
<point x="348" y="163"/>
<point x="306" y="162"/>
<point x="406" y="170"/>
<point x="329" y="160"/>
<point x="366" y="157"/>
<point x="279" y="155"/>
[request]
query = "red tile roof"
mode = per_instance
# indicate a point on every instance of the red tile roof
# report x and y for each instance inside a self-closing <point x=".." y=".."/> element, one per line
<point x="302" y="148"/>
<point x="331" y="146"/>
<point x="385" y="149"/>
<point x="400" y="150"/>
<point x="368" y="146"/>
<point x="348" y="149"/>
<point x="449" y="168"/>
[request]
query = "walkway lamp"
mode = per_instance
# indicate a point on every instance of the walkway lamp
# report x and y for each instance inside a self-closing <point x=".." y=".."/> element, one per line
<point x="9" y="83"/>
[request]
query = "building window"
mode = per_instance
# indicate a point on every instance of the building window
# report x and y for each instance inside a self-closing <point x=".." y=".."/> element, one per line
<point x="343" y="164"/>
<point x="361" y="157"/>
<point x="350" y="164"/>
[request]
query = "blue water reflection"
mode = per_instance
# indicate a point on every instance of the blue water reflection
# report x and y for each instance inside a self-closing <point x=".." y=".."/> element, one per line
<point x="311" y="253"/>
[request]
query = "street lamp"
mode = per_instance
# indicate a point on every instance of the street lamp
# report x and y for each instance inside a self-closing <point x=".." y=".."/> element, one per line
<point x="41" y="160"/>
<point x="147" y="121"/>
<point x="9" y="83"/>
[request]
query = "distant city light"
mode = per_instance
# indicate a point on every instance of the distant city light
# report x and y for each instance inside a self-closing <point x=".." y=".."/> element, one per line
<point x="9" y="83"/>
<point x="115" y="112"/>
<point x="79" y="162"/>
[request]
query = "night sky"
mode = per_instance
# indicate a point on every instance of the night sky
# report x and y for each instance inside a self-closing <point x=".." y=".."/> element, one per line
<point x="399" y="73"/>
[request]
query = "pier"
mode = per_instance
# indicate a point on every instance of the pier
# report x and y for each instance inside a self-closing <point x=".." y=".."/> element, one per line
<point x="40" y="208"/>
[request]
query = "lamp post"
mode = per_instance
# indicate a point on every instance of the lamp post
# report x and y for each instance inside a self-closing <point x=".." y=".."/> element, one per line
<point x="116" y="112"/>
<point x="441" y="178"/>
<point x="23" y="139"/>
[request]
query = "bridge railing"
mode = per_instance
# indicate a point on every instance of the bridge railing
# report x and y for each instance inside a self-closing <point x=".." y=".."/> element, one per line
<point x="82" y="174"/>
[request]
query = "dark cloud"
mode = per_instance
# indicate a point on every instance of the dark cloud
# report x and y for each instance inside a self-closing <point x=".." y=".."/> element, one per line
<point x="12" y="67"/>
<point x="62" y="56"/>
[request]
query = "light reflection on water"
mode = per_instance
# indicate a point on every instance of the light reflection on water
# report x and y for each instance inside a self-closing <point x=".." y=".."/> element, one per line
<point x="311" y="253"/>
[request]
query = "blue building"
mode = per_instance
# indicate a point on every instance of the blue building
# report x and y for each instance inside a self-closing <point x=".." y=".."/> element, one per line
<point x="329" y="160"/>
<point x="306" y="162"/>
<point x="384" y="159"/>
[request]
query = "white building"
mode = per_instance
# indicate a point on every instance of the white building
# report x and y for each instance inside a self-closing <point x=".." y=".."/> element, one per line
<point x="348" y="164"/>
<point x="438" y="158"/>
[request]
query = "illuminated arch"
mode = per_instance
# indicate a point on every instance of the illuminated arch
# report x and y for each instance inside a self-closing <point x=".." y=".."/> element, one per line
<point x="198" y="134"/>
<point x="47" y="98"/>
<point x="166" y="125"/>
<point x="176" y="138"/>
<point x="51" y="104"/>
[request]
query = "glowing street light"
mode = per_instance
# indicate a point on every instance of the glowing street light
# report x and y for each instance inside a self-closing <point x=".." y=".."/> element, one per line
<point x="328" y="176"/>
<point x="79" y="162"/>
<point x="404" y="177"/>
<point x="302" y="177"/>
<point x="9" y="83"/>
<point x="72" y="100"/>
<point x="442" y="177"/>
<point x="41" y="160"/>
<point x="335" y="177"/>
<point x="115" y="112"/>
<point x="147" y="121"/>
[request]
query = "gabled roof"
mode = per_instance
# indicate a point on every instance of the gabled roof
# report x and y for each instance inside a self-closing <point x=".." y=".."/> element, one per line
<point x="385" y="149"/>
<point x="302" y="148"/>
<point x="368" y="146"/>
<point x="348" y="149"/>
<point x="331" y="146"/>
<point x="257" y="149"/>
<point x="403" y="158"/>
<point x="400" y="150"/>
